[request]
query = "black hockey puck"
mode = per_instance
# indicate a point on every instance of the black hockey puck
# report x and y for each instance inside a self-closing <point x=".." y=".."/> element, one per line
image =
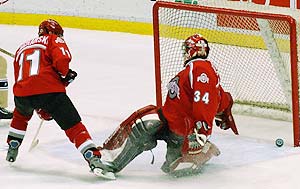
<point x="279" y="142"/>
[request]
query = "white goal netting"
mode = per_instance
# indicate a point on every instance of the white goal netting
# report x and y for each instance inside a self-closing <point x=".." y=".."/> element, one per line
<point x="253" y="47"/>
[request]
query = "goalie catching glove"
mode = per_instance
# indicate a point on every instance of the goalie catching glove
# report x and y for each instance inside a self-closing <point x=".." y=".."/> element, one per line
<point x="69" y="78"/>
<point x="224" y="118"/>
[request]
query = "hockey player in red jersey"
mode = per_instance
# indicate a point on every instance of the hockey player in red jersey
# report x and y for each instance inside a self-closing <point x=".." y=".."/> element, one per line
<point x="185" y="121"/>
<point x="41" y="69"/>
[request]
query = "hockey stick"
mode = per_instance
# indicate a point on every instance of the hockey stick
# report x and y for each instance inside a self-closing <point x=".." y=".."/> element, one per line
<point x="2" y="2"/>
<point x="7" y="53"/>
<point x="35" y="139"/>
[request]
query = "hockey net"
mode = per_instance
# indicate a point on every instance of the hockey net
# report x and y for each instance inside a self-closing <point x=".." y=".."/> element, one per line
<point x="255" y="52"/>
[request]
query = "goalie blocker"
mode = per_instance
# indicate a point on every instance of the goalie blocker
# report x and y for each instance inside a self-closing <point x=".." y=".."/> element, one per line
<point x="140" y="132"/>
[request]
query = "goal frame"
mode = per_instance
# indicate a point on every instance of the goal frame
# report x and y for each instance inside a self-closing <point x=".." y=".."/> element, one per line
<point x="206" y="9"/>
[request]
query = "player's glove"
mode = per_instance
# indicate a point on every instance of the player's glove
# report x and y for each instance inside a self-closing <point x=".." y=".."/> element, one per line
<point x="69" y="78"/>
<point x="224" y="119"/>
<point x="44" y="115"/>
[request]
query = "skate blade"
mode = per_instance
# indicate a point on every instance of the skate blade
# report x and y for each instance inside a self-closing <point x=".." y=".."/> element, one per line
<point x="107" y="175"/>
<point x="4" y="148"/>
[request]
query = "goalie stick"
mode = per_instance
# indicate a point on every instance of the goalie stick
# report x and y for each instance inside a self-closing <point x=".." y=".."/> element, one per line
<point x="7" y="53"/>
<point x="35" y="139"/>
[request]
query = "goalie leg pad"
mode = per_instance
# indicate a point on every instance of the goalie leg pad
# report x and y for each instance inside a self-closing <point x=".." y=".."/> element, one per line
<point x="135" y="135"/>
<point x="125" y="128"/>
<point x="140" y="139"/>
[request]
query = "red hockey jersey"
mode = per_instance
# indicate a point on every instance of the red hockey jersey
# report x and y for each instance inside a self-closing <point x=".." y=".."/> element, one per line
<point x="194" y="97"/>
<point x="38" y="65"/>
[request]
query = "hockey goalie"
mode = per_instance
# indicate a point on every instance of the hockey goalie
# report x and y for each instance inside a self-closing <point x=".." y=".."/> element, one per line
<point x="185" y="122"/>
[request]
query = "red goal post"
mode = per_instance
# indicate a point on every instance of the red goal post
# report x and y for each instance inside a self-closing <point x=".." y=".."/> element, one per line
<point x="255" y="53"/>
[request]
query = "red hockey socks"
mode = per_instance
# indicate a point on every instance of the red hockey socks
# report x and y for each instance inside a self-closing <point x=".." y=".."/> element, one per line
<point x="79" y="135"/>
<point x="18" y="126"/>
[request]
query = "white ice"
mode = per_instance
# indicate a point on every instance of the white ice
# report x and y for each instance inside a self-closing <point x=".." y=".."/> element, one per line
<point x="115" y="77"/>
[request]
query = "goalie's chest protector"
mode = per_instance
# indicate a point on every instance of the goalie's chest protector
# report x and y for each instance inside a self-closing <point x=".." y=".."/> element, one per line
<point x="193" y="95"/>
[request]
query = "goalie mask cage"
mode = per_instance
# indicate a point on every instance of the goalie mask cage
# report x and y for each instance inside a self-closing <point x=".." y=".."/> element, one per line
<point x="255" y="54"/>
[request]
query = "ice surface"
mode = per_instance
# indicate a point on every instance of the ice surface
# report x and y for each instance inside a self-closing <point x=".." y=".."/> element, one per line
<point x="115" y="77"/>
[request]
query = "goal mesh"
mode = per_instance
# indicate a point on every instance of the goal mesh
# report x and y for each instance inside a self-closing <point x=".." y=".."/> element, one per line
<point x="255" y="54"/>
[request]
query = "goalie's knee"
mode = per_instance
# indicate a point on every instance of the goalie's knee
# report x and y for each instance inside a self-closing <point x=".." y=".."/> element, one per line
<point x="143" y="132"/>
<point x="140" y="127"/>
<point x="141" y="138"/>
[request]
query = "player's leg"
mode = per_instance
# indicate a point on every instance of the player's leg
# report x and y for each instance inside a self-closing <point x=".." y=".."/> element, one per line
<point x="134" y="135"/>
<point x="21" y="115"/>
<point x="67" y="117"/>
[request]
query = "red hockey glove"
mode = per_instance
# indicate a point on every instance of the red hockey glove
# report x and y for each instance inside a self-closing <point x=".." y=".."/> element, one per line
<point x="69" y="78"/>
<point x="224" y="119"/>
<point x="44" y="115"/>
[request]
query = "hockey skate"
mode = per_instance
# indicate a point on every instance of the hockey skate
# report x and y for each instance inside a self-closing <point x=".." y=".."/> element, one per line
<point x="5" y="114"/>
<point x="13" y="149"/>
<point x="98" y="167"/>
